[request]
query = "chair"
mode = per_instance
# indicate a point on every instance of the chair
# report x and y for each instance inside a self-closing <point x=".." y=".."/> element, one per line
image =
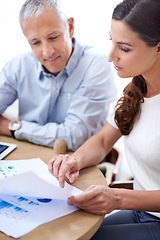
<point x="60" y="146"/>
<point x="122" y="184"/>
<point x="111" y="165"/>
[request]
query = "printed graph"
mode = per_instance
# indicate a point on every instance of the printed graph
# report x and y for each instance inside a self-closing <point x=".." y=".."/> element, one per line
<point x="15" y="207"/>
<point x="7" y="171"/>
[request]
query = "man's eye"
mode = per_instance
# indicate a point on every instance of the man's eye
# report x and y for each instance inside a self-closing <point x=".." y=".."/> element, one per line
<point x="53" y="38"/>
<point x="124" y="49"/>
<point x="35" y="43"/>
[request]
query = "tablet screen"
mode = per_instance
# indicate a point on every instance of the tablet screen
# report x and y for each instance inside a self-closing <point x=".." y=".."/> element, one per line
<point x="2" y="148"/>
<point x="6" y="148"/>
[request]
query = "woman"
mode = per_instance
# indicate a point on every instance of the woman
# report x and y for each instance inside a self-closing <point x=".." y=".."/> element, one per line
<point x="135" y="52"/>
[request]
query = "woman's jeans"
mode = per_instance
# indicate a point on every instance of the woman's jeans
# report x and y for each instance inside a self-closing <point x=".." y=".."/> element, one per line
<point x="129" y="225"/>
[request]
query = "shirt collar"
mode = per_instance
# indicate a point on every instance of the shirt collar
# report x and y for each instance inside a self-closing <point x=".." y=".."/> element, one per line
<point x="42" y="72"/>
<point x="74" y="59"/>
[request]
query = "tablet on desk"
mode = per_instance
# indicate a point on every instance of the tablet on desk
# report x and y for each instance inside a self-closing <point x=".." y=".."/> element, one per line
<point x="6" y="148"/>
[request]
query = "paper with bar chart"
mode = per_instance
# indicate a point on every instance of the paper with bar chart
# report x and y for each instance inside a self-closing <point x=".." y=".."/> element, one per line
<point x="30" y="196"/>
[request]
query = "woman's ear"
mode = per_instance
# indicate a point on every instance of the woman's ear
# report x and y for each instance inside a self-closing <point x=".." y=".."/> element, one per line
<point x="71" y="26"/>
<point x="158" y="47"/>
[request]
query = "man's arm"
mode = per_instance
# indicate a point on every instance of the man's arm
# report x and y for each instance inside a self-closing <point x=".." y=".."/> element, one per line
<point x="87" y="112"/>
<point x="4" y="130"/>
<point x="81" y="106"/>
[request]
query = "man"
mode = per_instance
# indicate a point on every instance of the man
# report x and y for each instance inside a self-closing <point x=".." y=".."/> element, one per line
<point x="64" y="89"/>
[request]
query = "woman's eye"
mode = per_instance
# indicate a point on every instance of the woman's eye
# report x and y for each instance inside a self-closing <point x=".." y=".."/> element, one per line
<point x="124" y="49"/>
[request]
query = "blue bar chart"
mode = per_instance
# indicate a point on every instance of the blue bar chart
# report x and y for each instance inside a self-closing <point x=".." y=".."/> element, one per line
<point x="6" y="205"/>
<point x="16" y="207"/>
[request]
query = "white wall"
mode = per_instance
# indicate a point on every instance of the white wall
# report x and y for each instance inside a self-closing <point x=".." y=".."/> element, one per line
<point x="92" y="24"/>
<point x="12" y="40"/>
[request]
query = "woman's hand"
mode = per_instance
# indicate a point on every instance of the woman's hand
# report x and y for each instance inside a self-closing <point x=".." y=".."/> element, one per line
<point x="64" y="165"/>
<point x="96" y="199"/>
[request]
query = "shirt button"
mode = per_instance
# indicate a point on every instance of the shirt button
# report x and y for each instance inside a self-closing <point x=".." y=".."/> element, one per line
<point x="69" y="96"/>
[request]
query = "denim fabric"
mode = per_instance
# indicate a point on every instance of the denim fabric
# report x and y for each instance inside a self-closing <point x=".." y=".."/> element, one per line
<point x="129" y="225"/>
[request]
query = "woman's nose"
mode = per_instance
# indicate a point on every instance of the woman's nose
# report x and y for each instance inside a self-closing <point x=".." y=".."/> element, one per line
<point x="112" y="54"/>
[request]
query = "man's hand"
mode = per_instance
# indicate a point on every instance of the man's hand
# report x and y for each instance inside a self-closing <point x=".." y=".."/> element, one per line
<point x="4" y="122"/>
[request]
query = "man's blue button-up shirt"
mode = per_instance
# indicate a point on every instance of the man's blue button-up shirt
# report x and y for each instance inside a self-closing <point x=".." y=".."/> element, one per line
<point x="72" y="105"/>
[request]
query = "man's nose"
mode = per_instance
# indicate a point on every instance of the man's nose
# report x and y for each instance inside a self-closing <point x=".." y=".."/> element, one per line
<point x="48" y="50"/>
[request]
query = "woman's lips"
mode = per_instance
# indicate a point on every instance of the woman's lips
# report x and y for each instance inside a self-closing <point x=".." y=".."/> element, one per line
<point x="117" y="68"/>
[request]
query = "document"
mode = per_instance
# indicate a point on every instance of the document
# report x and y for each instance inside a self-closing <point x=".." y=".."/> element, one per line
<point x="30" y="196"/>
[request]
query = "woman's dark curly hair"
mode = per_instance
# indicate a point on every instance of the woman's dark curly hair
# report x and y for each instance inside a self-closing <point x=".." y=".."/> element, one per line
<point x="143" y="17"/>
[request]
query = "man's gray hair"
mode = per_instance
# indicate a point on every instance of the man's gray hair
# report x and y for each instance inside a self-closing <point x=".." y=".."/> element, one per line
<point x="36" y="7"/>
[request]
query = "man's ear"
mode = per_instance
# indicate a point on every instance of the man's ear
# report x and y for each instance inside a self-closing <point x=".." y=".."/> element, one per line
<point x="71" y="26"/>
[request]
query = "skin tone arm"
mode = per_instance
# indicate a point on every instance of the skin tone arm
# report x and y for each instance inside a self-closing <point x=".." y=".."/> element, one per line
<point x="90" y="153"/>
<point x="4" y="126"/>
<point x="96" y="148"/>
<point x="100" y="199"/>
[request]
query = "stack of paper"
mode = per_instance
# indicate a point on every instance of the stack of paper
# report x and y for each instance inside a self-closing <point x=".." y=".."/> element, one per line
<point x="30" y="196"/>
